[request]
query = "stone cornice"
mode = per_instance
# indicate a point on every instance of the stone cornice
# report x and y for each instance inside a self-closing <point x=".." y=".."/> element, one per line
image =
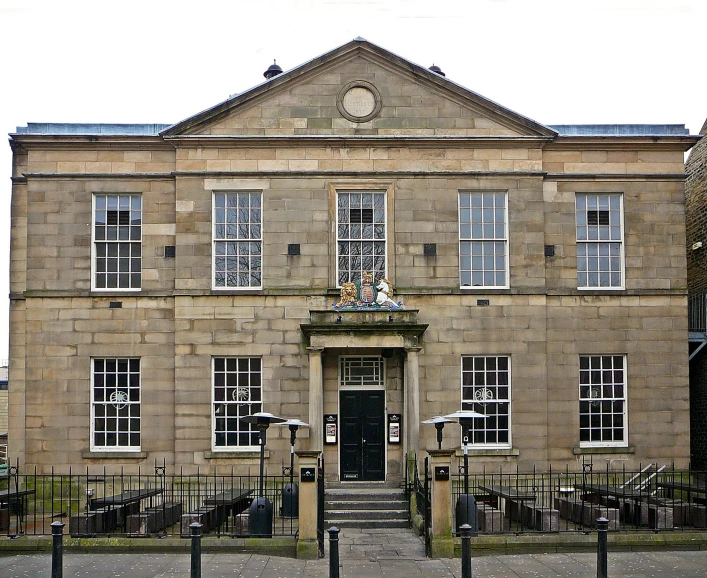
<point x="330" y="293"/>
<point x="653" y="143"/>
<point x="92" y="176"/>
<point x="355" y="174"/>
<point x="89" y="142"/>
<point x="611" y="177"/>
<point x="351" y="141"/>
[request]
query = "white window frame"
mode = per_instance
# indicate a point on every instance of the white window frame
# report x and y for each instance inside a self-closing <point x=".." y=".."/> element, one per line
<point x="229" y="238"/>
<point x="118" y="242"/>
<point x="598" y="398"/>
<point x="350" y="240"/>
<point x="116" y="399"/>
<point x="471" y="234"/>
<point x="249" y="408"/>
<point x="605" y="238"/>
<point x="486" y="394"/>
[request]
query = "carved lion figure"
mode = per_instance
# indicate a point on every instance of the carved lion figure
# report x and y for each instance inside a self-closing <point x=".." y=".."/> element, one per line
<point x="349" y="295"/>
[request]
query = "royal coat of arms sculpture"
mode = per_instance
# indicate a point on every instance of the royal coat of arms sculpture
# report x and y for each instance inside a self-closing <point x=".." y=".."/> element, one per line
<point x="367" y="295"/>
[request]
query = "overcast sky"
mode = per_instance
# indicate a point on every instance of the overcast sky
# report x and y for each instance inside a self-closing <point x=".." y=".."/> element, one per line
<point x="555" y="61"/>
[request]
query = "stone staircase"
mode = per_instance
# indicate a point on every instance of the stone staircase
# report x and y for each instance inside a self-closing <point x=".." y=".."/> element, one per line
<point x="361" y="505"/>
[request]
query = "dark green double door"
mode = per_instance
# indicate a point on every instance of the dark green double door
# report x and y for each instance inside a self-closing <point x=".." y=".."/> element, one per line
<point x="362" y="435"/>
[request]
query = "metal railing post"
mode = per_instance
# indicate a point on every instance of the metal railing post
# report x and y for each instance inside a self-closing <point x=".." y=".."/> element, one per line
<point x="466" y="550"/>
<point x="195" y="550"/>
<point x="57" y="549"/>
<point x="334" y="552"/>
<point x="602" y="555"/>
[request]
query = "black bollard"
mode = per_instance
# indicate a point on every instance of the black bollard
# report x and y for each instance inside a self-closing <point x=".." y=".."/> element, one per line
<point x="195" y="550"/>
<point x="602" y="554"/>
<point x="466" y="550"/>
<point x="334" y="552"/>
<point x="57" y="549"/>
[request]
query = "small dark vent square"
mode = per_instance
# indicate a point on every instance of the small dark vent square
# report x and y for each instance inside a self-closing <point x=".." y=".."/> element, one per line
<point x="483" y="302"/>
<point x="360" y="216"/>
<point x="170" y="252"/>
<point x="115" y="305"/>
<point x="549" y="250"/>
<point x="293" y="249"/>
<point x="430" y="249"/>
<point x="597" y="217"/>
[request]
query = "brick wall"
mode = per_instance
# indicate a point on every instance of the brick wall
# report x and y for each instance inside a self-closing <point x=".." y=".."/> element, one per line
<point x="696" y="209"/>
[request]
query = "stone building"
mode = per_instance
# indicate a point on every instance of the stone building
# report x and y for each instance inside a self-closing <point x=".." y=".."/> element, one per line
<point x="696" y="210"/>
<point x="167" y="280"/>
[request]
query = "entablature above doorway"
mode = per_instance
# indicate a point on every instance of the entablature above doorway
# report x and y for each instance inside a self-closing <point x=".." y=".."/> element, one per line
<point x="381" y="328"/>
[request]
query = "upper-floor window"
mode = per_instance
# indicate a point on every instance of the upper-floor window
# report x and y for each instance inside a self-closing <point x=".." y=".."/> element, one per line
<point x="483" y="239"/>
<point x="602" y="400"/>
<point x="486" y="389"/>
<point x="117" y="241"/>
<point x="360" y="235"/>
<point x="237" y="392"/>
<point x="238" y="240"/>
<point x="115" y="404"/>
<point x="600" y="253"/>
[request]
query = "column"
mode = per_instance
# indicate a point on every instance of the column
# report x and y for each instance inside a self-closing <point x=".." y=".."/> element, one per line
<point x="442" y="542"/>
<point x="412" y="402"/>
<point x="307" y="547"/>
<point x="316" y="399"/>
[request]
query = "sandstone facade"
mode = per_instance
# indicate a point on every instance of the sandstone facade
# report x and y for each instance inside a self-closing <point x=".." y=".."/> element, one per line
<point x="288" y="141"/>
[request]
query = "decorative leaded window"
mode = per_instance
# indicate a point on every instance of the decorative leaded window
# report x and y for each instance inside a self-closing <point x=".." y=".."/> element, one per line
<point x="361" y="236"/>
<point x="486" y="389"/>
<point x="237" y="393"/>
<point x="602" y="400"/>
<point x="238" y="240"/>
<point x="600" y="259"/>
<point x="117" y="242"/>
<point x="483" y="239"/>
<point x="361" y="372"/>
<point x="115" y="405"/>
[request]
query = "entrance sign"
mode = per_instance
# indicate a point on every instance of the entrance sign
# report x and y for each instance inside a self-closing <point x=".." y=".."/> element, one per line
<point x="330" y="428"/>
<point x="394" y="428"/>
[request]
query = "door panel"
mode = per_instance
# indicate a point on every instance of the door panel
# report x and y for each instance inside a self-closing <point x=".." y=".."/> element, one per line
<point x="362" y="435"/>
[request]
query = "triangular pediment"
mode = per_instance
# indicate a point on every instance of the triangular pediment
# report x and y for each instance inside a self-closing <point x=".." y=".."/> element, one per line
<point x="359" y="89"/>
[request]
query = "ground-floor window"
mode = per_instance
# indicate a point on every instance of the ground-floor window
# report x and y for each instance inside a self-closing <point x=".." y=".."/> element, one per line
<point x="237" y="392"/>
<point x="115" y="405"/>
<point x="486" y="388"/>
<point x="602" y="400"/>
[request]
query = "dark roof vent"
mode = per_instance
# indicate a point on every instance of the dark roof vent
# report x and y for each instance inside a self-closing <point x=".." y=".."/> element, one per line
<point x="274" y="70"/>
<point x="437" y="70"/>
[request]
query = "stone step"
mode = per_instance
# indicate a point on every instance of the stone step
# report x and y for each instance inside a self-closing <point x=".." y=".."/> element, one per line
<point x="341" y="523"/>
<point x="365" y="505"/>
<point x="367" y="515"/>
<point x="365" y="495"/>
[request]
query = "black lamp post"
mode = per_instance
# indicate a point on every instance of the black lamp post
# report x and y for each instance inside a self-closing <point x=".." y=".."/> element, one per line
<point x="290" y="500"/>
<point x="438" y="422"/>
<point x="466" y="505"/>
<point x="260" y="513"/>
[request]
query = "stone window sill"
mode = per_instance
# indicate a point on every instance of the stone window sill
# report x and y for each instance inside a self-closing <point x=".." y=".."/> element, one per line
<point x="89" y="455"/>
<point x="579" y="451"/>
<point x="235" y="455"/>
<point x="489" y="453"/>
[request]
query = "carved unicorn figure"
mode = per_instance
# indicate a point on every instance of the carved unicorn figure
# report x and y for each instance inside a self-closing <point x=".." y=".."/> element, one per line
<point x="385" y="292"/>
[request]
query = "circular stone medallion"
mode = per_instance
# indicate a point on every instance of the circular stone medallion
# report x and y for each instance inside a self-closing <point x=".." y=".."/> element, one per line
<point x="359" y="101"/>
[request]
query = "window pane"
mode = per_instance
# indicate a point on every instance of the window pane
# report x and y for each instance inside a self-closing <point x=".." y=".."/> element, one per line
<point x="486" y="389"/>
<point x="484" y="222"/>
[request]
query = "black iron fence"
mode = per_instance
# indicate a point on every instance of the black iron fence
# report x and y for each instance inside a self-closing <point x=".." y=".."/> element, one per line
<point x="92" y="502"/>
<point x="651" y="498"/>
<point x="423" y="498"/>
